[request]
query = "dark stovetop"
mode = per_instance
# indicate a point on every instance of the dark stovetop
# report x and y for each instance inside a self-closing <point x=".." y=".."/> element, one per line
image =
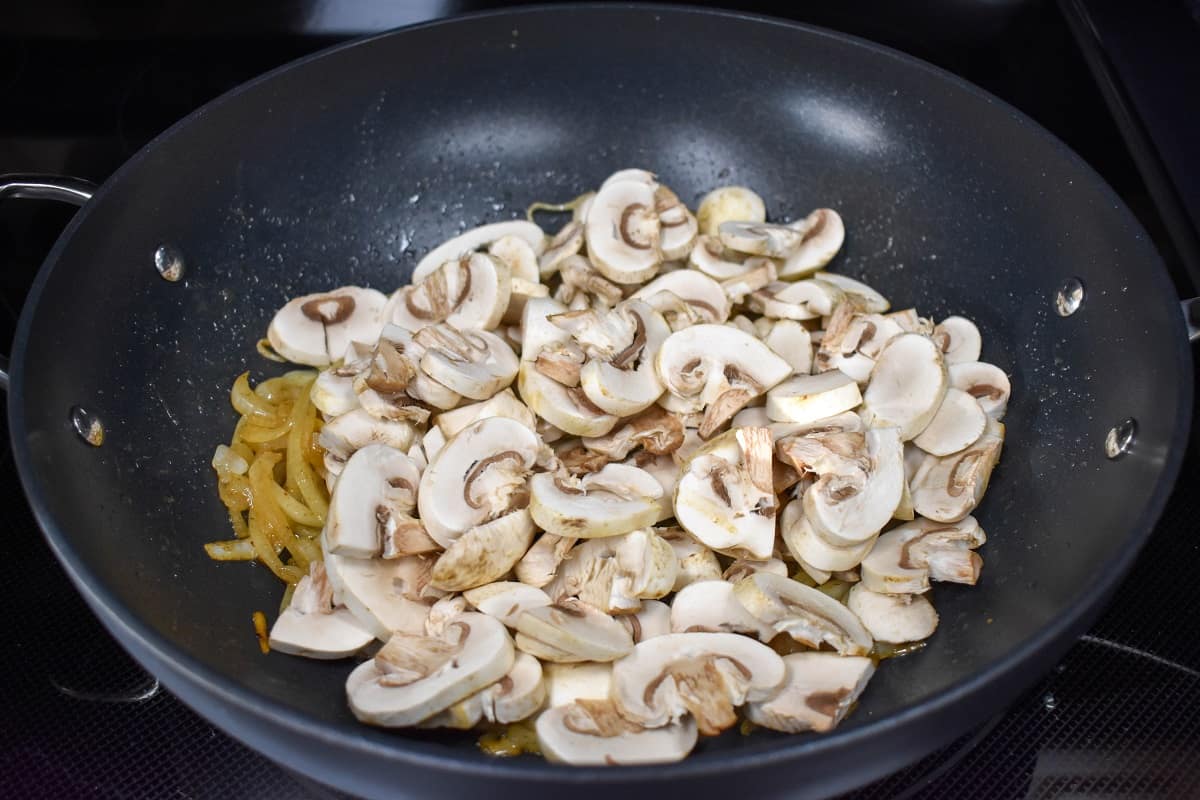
<point x="82" y="89"/>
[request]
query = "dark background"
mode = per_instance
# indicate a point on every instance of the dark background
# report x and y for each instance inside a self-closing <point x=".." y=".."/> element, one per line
<point x="84" y="85"/>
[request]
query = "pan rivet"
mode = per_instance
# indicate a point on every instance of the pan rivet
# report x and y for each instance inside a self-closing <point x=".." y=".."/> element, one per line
<point x="87" y="425"/>
<point x="1120" y="438"/>
<point x="169" y="262"/>
<point x="1069" y="297"/>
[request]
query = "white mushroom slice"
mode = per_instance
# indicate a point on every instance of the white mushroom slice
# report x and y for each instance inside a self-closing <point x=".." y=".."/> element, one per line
<point x="666" y="472"/>
<point x="726" y="495"/>
<point x="819" y="691"/>
<point x="677" y="226"/>
<point x="333" y="391"/>
<point x="583" y="282"/>
<point x="539" y="565"/>
<point x="906" y="557"/>
<point x="712" y="258"/>
<point x="706" y="675"/>
<point x="959" y="422"/>
<point x="617" y="499"/>
<point x="316" y="329"/>
<point x="614" y="574"/>
<point x="474" y="363"/>
<point x="566" y="683"/>
<point x="792" y="342"/>
<point x="432" y="442"/>
<point x="513" y="698"/>
<point x="443" y="612"/>
<point x="848" y="509"/>
<point x="376" y="492"/>
<point x="657" y="431"/>
<point x="907" y="385"/>
<point x="519" y="255"/>
<point x="911" y="322"/>
<point x="696" y="562"/>
<point x="807" y="299"/>
<point x="342" y="436"/>
<point x="893" y="618"/>
<point x="821" y="236"/>
<point x="484" y="553"/>
<point x="593" y="733"/>
<point x="566" y="243"/>
<point x="752" y="417"/>
<point x="729" y="204"/>
<point x="622" y="231"/>
<point x="758" y="272"/>
<point x="711" y="606"/>
<point x="958" y="339"/>
<point x="412" y="678"/>
<point x="506" y="600"/>
<point x="947" y="488"/>
<point x="760" y="238"/>
<point x="987" y="383"/>
<point x="479" y="475"/>
<point x="635" y="174"/>
<point x="702" y="298"/>
<point x="570" y="631"/>
<point x="745" y="567"/>
<point x="502" y="404"/>
<point x="905" y="511"/>
<point x="566" y="408"/>
<point x="311" y="627"/>
<point x="846" y="422"/>
<point x="468" y="292"/>
<point x="717" y="369"/>
<point x="809" y="616"/>
<point x="806" y="398"/>
<point x="811" y="550"/>
<point x="853" y="340"/>
<point x="652" y="619"/>
<point x="382" y="594"/>
<point x="819" y="576"/>
<point x="872" y="301"/>
<point x="476" y="239"/>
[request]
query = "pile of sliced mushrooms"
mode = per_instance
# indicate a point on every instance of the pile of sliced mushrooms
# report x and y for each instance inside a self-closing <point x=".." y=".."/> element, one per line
<point x="603" y="479"/>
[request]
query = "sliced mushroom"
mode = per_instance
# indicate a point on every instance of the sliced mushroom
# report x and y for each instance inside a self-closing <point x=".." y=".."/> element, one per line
<point x="432" y="442"/>
<point x="958" y="339"/>
<point x="570" y="631"/>
<point x="726" y="495"/>
<point x="474" y="363"/>
<point x="947" y="488"/>
<point x="539" y="565"/>
<point x="345" y="435"/>
<point x="959" y="422"/>
<point x="614" y="574"/>
<point x="894" y="618"/>
<point x="316" y="329"/>
<point x="716" y="261"/>
<point x="593" y="733"/>
<point x="813" y="552"/>
<point x="514" y="697"/>
<point x="376" y="493"/>
<point x="757" y="273"/>
<point x="821" y="236"/>
<point x="412" y="678"/>
<point x="583" y="284"/>
<point x="664" y="470"/>
<point x="820" y="689"/>
<point x="745" y="567"/>
<point x="565" y="407"/>
<point x="801" y="300"/>
<point x="872" y="301"/>
<point x="792" y="342"/>
<point x="393" y="386"/>
<point x="311" y="627"/>
<point x="853" y="340"/>
<point x="623" y="231"/>
<point x="617" y="499"/>
<point x="443" y="613"/>
<point x="706" y="675"/>
<point x="685" y="297"/>
<point x="760" y="238"/>
<point x="502" y="404"/>
<point x="506" y="600"/>
<point x="566" y="683"/>
<point x="566" y="243"/>
<point x="469" y="292"/>
<point x="907" y="385"/>
<point x="987" y="383"/>
<point x="711" y="606"/>
<point x="652" y="619"/>
<point x="809" y="616"/>
<point x="729" y="204"/>
<point x="806" y="398"/>
<point x="696" y="562"/>
<point x="478" y="476"/>
<point x="905" y="558"/>
<point x="655" y="430"/>
<point x="384" y="595"/>
<point x="484" y="553"/>
<point x="717" y="369"/>
<point x="333" y="390"/>
<point x="848" y="509"/>
<point x="476" y="239"/>
<point x="677" y="226"/>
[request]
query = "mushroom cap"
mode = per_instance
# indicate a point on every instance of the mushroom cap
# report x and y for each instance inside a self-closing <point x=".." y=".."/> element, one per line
<point x="821" y="235"/>
<point x="375" y="589"/>
<point x="474" y="652"/>
<point x="473" y="363"/>
<point x="792" y="342"/>
<point x="805" y="398"/>
<point x="819" y="690"/>
<point x="807" y="615"/>
<point x="315" y="329"/>
<point x="476" y="238"/>
<point x="905" y="558"/>
<point x="987" y="383"/>
<point x="872" y="301"/>
<point x="729" y="204"/>
<point x="337" y="634"/>
<point x="377" y="483"/>
<point x="652" y="619"/>
<point x="894" y="618"/>
<point x="698" y="291"/>
<point x="468" y="292"/>
<point x="593" y="733"/>
<point x="485" y="553"/>
<point x="622" y="231"/>
<point x="506" y="600"/>
<point x="947" y="488"/>
<point x="958" y="339"/>
<point x="477" y="476"/>
<point x="712" y="606"/>
<point x="958" y="422"/>
<point x="615" y="500"/>
<point x="569" y="631"/>
<point x="907" y="385"/>
<point x="811" y="549"/>
<point x="704" y="674"/>
<point x="848" y="511"/>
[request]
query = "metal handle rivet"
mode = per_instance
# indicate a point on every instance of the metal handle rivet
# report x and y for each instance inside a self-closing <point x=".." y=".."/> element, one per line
<point x="87" y="425"/>
<point x="1069" y="297"/>
<point x="169" y="262"/>
<point x="1120" y="438"/>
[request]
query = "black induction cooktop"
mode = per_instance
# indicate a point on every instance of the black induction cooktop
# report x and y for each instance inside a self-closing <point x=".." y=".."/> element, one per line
<point x="83" y="86"/>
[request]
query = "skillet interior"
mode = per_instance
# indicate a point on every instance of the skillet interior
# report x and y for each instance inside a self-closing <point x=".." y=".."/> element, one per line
<point x="346" y="167"/>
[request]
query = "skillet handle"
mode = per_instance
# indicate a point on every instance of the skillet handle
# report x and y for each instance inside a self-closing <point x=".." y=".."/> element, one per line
<point x="76" y="191"/>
